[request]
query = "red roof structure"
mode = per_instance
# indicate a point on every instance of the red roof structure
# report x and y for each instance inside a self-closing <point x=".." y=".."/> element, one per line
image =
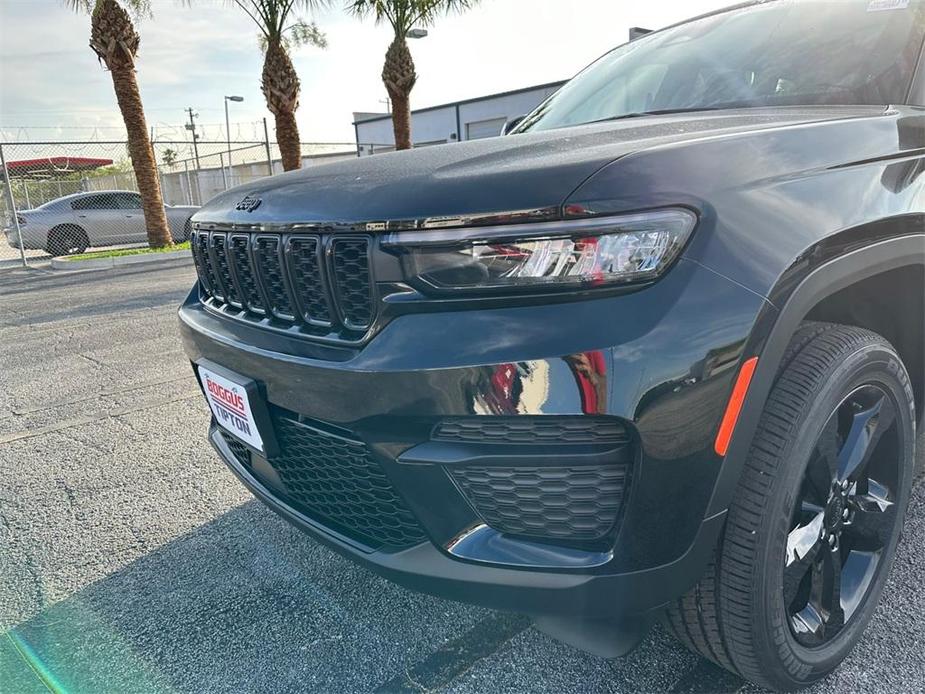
<point x="53" y="167"/>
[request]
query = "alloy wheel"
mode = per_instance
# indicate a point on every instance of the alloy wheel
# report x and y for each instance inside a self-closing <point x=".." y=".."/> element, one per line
<point x="844" y="517"/>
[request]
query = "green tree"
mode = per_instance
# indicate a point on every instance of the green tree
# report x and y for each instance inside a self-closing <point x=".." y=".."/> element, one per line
<point x="115" y="41"/>
<point x="169" y="157"/>
<point x="398" y="72"/>
<point x="279" y="31"/>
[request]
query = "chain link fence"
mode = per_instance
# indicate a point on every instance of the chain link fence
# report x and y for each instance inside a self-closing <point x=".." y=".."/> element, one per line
<point x="61" y="198"/>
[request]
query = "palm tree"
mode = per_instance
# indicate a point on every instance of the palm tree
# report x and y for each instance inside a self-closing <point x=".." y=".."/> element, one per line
<point x="115" y="41"/>
<point x="398" y="73"/>
<point x="279" y="81"/>
<point x="169" y="157"/>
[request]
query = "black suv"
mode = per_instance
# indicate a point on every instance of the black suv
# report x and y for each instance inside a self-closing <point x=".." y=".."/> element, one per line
<point x="657" y="353"/>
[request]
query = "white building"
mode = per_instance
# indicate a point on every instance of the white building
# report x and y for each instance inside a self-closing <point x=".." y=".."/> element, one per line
<point x="471" y="119"/>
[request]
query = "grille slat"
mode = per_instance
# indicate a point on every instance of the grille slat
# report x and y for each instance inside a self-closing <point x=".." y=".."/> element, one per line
<point x="352" y="284"/>
<point x="204" y="267"/>
<point x="335" y="480"/>
<point x="269" y="270"/>
<point x="304" y="254"/>
<point x="239" y="258"/>
<point x="217" y="243"/>
<point x="322" y="284"/>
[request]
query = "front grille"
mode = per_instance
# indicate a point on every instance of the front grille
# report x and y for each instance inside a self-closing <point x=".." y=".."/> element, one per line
<point x="334" y="479"/>
<point x="322" y="285"/>
<point x="546" y="503"/>
<point x="532" y="429"/>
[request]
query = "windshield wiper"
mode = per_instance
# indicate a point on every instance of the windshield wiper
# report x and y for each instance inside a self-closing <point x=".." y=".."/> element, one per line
<point x="665" y="111"/>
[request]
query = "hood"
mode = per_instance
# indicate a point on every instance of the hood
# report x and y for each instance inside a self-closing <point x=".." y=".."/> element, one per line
<point x="527" y="172"/>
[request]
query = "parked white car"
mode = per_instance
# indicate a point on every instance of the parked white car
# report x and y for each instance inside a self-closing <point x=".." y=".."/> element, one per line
<point x="103" y="218"/>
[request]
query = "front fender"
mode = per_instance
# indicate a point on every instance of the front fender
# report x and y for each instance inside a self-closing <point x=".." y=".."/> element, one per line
<point x="795" y="297"/>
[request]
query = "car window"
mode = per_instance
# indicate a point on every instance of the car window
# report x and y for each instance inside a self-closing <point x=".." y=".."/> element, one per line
<point x="783" y="53"/>
<point x="127" y="201"/>
<point x="93" y="202"/>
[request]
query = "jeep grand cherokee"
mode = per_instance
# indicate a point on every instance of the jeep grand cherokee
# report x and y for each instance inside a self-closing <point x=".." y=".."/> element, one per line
<point x="657" y="353"/>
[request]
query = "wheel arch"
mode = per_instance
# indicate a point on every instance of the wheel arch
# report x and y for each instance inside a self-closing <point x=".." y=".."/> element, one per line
<point x="834" y="291"/>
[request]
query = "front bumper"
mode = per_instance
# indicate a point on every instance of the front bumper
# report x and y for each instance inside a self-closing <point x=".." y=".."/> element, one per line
<point x="537" y="592"/>
<point x="653" y="362"/>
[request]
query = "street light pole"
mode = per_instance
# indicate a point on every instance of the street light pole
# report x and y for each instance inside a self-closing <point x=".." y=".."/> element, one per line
<point x="237" y="99"/>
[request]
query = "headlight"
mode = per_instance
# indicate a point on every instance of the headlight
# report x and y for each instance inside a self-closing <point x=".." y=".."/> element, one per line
<point x="545" y="255"/>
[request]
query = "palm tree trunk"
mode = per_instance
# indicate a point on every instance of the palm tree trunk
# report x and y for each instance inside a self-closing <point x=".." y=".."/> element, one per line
<point x="287" y="137"/>
<point x="398" y="76"/>
<point x="280" y="86"/>
<point x="114" y="40"/>
<point x="142" y="154"/>
<point x="401" y="118"/>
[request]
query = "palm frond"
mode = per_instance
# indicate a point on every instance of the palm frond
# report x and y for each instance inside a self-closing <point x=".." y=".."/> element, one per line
<point x="303" y="33"/>
<point x="273" y="19"/>
<point x="137" y="8"/>
<point x="404" y="15"/>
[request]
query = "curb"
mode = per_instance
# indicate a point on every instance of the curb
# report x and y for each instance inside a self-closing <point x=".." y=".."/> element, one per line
<point x="166" y="258"/>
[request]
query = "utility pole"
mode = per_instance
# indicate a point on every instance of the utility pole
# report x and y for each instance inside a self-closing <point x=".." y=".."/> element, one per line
<point x="191" y="126"/>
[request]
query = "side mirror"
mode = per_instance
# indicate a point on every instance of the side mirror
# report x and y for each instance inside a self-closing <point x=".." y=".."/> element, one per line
<point x="511" y="124"/>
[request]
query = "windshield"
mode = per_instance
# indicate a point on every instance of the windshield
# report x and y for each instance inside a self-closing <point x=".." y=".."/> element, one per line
<point x="788" y="52"/>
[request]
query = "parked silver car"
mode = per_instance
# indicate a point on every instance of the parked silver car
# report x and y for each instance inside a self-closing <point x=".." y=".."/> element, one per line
<point x="102" y="218"/>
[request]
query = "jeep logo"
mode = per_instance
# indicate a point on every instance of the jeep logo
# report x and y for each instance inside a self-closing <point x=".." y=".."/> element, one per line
<point x="248" y="204"/>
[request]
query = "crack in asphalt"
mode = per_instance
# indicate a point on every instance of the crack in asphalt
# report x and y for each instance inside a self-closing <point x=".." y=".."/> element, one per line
<point x="89" y="419"/>
<point x="101" y="394"/>
<point x="456" y="656"/>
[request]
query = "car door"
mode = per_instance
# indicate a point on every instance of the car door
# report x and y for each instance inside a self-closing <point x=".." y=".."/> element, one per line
<point x="96" y="215"/>
<point x="132" y="218"/>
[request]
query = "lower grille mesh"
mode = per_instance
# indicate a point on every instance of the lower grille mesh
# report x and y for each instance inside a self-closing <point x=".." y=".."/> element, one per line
<point x="553" y="503"/>
<point x="241" y="452"/>
<point x="335" y="480"/>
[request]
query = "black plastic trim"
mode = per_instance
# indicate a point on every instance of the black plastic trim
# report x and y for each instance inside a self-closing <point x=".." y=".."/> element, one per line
<point x="512" y="455"/>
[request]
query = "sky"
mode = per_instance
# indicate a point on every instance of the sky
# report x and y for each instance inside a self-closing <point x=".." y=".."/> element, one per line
<point x="194" y="53"/>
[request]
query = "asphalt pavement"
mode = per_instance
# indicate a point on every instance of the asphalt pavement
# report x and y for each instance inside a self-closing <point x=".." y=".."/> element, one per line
<point x="131" y="560"/>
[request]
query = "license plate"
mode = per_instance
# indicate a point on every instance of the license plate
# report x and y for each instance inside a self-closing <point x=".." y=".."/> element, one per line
<point x="231" y="407"/>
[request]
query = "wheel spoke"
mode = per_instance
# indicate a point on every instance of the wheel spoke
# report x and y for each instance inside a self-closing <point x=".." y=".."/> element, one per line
<point x="809" y="510"/>
<point x="874" y="516"/>
<point x="825" y="591"/>
<point x="803" y="547"/>
<point x="867" y="426"/>
<point x="808" y="621"/>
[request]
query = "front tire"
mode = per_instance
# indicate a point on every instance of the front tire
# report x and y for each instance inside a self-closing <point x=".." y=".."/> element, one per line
<point x="816" y="517"/>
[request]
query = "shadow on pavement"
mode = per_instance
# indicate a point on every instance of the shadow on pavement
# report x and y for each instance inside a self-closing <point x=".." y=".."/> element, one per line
<point x="243" y="602"/>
